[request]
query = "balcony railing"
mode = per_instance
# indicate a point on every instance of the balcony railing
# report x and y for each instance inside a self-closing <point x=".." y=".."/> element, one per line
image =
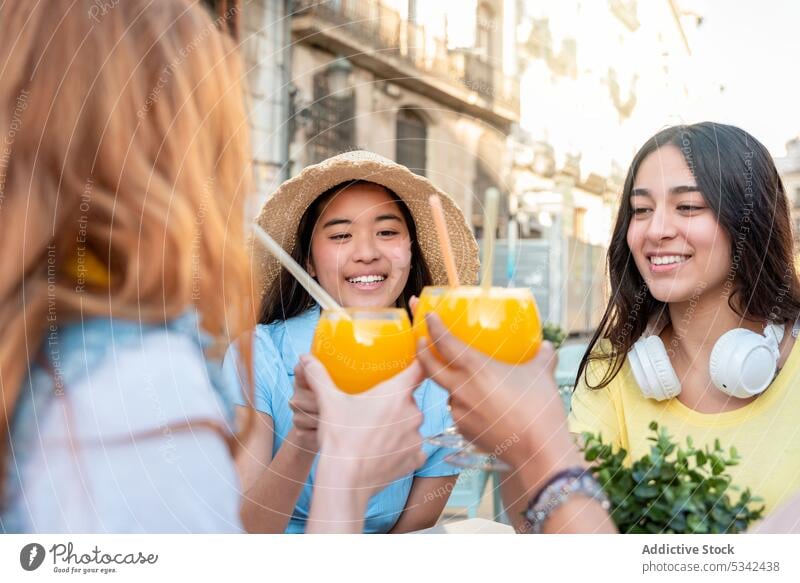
<point x="380" y="27"/>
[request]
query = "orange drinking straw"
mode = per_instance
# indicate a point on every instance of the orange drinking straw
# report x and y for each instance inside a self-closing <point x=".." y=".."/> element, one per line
<point x="489" y="228"/>
<point x="444" y="239"/>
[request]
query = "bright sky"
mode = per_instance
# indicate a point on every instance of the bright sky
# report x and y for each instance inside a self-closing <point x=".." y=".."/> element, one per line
<point x="750" y="48"/>
<point x="753" y="48"/>
<point x="752" y="53"/>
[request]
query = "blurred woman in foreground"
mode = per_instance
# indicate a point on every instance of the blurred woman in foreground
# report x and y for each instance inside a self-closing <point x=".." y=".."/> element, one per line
<point x="123" y="170"/>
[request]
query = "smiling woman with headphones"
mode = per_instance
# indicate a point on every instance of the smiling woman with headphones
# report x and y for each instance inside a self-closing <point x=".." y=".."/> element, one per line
<point x="700" y="330"/>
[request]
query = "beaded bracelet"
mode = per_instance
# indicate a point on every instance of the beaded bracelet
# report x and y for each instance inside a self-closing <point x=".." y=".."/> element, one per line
<point x="557" y="490"/>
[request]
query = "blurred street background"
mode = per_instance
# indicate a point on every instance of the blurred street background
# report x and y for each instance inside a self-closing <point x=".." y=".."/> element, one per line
<point x="544" y="100"/>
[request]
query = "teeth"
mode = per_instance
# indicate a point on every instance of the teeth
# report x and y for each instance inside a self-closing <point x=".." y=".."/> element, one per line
<point x="668" y="259"/>
<point x="366" y="279"/>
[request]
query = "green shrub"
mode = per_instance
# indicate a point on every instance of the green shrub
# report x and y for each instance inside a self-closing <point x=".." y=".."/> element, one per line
<point x="554" y="333"/>
<point x="671" y="489"/>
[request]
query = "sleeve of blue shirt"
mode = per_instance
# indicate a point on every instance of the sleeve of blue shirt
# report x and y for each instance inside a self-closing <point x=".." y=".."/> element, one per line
<point x="267" y="365"/>
<point x="437" y="418"/>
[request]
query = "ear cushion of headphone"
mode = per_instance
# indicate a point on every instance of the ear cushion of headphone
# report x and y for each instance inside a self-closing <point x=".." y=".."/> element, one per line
<point x="743" y="363"/>
<point x="652" y="369"/>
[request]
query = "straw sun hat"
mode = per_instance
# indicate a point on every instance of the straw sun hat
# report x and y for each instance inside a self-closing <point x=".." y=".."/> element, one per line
<point x="282" y="212"/>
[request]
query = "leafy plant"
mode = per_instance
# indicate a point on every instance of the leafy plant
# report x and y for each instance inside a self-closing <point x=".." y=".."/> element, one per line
<point x="554" y="333"/>
<point x="671" y="489"/>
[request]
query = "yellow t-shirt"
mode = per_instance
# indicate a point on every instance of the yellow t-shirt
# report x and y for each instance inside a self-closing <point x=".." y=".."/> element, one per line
<point x="766" y="432"/>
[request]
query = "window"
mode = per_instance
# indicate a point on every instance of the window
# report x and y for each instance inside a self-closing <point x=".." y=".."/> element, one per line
<point x="333" y="125"/>
<point x="485" y="179"/>
<point x="479" y="65"/>
<point x="412" y="11"/>
<point x="412" y="140"/>
<point x="484" y="42"/>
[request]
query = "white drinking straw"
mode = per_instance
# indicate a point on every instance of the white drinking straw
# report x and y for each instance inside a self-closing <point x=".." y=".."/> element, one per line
<point x="511" y="262"/>
<point x="489" y="228"/>
<point x="316" y="291"/>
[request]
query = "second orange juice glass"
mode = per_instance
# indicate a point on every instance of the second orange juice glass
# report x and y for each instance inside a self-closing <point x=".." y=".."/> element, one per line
<point x="503" y="323"/>
<point x="370" y="347"/>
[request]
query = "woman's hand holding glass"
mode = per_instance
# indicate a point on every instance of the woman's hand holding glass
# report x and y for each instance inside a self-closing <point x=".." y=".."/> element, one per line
<point x="366" y="441"/>
<point x="305" y="412"/>
<point x="513" y="411"/>
<point x="381" y="425"/>
<point x="491" y="321"/>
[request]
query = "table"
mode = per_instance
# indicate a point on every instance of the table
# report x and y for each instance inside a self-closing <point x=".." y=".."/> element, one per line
<point x="469" y="526"/>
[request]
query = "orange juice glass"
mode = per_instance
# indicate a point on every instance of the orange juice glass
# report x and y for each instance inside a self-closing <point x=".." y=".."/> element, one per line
<point x="370" y="347"/>
<point x="503" y="323"/>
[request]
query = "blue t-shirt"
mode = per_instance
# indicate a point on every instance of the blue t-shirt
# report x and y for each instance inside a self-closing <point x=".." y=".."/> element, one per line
<point x="277" y="348"/>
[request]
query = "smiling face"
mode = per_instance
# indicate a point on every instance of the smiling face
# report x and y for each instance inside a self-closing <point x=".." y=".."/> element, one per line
<point x="361" y="248"/>
<point x="674" y="236"/>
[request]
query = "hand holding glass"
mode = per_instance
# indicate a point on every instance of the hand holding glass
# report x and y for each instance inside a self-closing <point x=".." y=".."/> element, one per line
<point x="502" y="323"/>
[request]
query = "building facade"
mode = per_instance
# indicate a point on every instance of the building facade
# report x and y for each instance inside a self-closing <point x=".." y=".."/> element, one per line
<point x="789" y="169"/>
<point x="388" y="77"/>
<point x="545" y="101"/>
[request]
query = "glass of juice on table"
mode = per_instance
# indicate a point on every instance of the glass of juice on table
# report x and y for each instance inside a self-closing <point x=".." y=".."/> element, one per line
<point x="363" y="347"/>
<point x="503" y="323"/>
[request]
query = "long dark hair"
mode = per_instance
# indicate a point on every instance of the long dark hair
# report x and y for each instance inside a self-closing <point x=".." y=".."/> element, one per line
<point x="286" y="298"/>
<point x="739" y="181"/>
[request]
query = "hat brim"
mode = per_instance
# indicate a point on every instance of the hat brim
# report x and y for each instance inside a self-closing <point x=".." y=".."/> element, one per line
<point x="281" y="213"/>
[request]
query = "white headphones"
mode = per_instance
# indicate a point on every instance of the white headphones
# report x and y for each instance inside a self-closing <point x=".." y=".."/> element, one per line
<point x="742" y="363"/>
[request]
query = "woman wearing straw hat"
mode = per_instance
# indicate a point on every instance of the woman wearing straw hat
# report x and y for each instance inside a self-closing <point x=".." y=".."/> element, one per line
<point x="361" y="225"/>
